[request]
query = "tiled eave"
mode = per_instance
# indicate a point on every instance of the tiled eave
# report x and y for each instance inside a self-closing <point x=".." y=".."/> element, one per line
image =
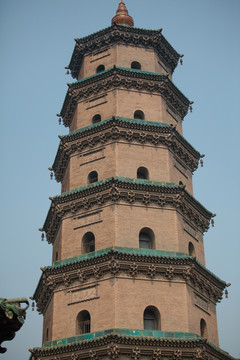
<point x="123" y="78"/>
<point x="133" y="344"/>
<point x="130" y="191"/>
<point x="131" y="263"/>
<point x="125" y="190"/>
<point x="114" y="343"/>
<point x="118" y="34"/>
<point x="121" y="129"/>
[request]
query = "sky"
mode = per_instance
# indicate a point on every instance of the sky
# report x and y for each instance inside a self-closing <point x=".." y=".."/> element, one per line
<point x="37" y="40"/>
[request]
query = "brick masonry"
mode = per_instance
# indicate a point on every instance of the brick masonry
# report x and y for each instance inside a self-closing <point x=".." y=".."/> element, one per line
<point x="119" y="301"/>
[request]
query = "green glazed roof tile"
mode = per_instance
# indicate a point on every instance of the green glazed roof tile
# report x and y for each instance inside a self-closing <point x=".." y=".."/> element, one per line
<point x="123" y="332"/>
<point x="127" y="120"/>
<point x="91" y="77"/>
<point x="128" y="70"/>
<point x="117" y="67"/>
<point x="123" y="250"/>
<point x="122" y="27"/>
<point x="168" y="54"/>
<point x="126" y="180"/>
<point x="210" y="272"/>
<point x="130" y="251"/>
<point x="140" y="71"/>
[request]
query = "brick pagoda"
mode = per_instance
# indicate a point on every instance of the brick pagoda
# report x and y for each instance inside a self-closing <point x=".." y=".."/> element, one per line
<point x="128" y="277"/>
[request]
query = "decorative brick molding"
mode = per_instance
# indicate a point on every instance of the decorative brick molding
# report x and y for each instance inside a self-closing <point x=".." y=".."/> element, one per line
<point x="129" y="131"/>
<point x="127" y="79"/>
<point x="125" y="190"/>
<point x="116" y="347"/>
<point x="119" y="262"/>
<point x="118" y="34"/>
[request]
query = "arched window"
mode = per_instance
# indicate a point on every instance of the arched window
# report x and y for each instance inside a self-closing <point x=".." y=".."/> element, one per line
<point x="181" y="183"/>
<point x="146" y="239"/>
<point x="88" y="243"/>
<point x="100" y="68"/>
<point x="151" y="318"/>
<point x="83" y="322"/>
<point x="203" y="328"/>
<point x="142" y="173"/>
<point x="96" y="118"/>
<point x="92" y="177"/>
<point x="139" y="115"/>
<point x="191" y="249"/>
<point x="136" y="65"/>
<point x="47" y="335"/>
<point x="56" y="256"/>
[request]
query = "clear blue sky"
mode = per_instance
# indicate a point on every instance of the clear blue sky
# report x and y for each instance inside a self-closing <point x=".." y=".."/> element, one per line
<point x="37" y="39"/>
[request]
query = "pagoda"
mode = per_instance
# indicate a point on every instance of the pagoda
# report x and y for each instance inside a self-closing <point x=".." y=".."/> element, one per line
<point x="128" y="277"/>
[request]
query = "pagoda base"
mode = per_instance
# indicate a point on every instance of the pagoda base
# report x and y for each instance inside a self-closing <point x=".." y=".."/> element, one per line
<point x="125" y="344"/>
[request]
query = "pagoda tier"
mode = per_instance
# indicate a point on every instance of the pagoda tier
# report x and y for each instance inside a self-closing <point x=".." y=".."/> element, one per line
<point x="169" y="103"/>
<point x="129" y="131"/>
<point x="99" y="43"/>
<point x="96" y="278"/>
<point x="135" y="192"/>
<point x="132" y="264"/>
<point x="97" y="208"/>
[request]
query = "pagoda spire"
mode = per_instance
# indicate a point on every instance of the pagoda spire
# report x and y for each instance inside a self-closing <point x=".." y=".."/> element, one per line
<point x="122" y="17"/>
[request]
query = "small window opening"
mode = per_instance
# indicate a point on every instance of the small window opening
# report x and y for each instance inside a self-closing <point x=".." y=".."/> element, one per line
<point x="191" y="249"/>
<point x="181" y="183"/>
<point x="142" y="173"/>
<point x="146" y="239"/>
<point x="83" y="322"/>
<point x="88" y="243"/>
<point x="92" y="177"/>
<point x="136" y="65"/>
<point x="47" y="335"/>
<point x="96" y="118"/>
<point x="100" y="68"/>
<point x="56" y="256"/>
<point x="151" y="318"/>
<point x="203" y="329"/>
<point x="139" y="115"/>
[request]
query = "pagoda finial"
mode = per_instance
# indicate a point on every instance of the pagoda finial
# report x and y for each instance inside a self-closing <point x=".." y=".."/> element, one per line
<point x="122" y="17"/>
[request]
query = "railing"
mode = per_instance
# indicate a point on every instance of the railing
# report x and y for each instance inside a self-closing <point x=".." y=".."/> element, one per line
<point x="84" y="327"/>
